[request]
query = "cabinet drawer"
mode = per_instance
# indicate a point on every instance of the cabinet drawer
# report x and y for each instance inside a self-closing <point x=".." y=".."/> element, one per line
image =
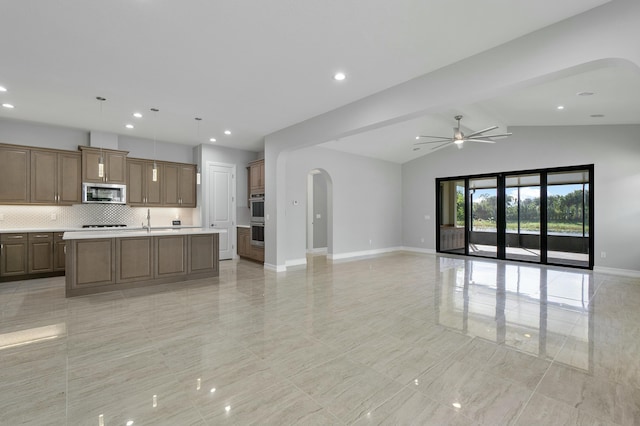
<point x="40" y="236"/>
<point x="6" y="238"/>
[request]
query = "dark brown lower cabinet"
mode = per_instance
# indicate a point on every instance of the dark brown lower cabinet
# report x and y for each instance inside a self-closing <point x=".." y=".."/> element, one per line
<point x="91" y="262"/>
<point x="171" y="252"/>
<point x="107" y="264"/>
<point x="204" y="253"/>
<point x="40" y="252"/>
<point x="134" y="259"/>
<point x="31" y="255"/>
<point x="13" y="255"/>
<point x="246" y="249"/>
<point x="59" y="251"/>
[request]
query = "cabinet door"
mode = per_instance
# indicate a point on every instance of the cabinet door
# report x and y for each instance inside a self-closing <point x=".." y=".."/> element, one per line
<point x="203" y="253"/>
<point x="170" y="184"/>
<point x="59" y="252"/>
<point x="254" y="174"/>
<point x="116" y="167"/>
<point x="243" y="238"/>
<point x="135" y="182"/>
<point x="14" y="175"/>
<point x="40" y="252"/>
<point x="153" y="189"/>
<point x="69" y="178"/>
<point x="13" y="255"/>
<point x="44" y="169"/>
<point x="134" y="259"/>
<point x="187" y="182"/>
<point x="90" y="161"/>
<point x="93" y="263"/>
<point x="171" y="256"/>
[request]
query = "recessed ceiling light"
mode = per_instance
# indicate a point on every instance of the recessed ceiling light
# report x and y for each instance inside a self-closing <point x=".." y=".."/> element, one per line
<point x="560" y="107"/>
<point x="457" y="405"/>
<point x="129" y="126"/>
<point x="585" y="93"/>
<point x="3" y="89"/>
<point x="137" y="115"/>
<point x="597" y="115"/>
<point x="339" y="76"/>
<point x="212" y="140"/>
<point x="8" y="106"/>
<point x="227" y="132"/>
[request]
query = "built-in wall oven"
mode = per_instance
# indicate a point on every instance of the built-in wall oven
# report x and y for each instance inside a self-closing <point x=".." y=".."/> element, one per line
<point x="256" y="204"/>
<point x="257" y="233"/>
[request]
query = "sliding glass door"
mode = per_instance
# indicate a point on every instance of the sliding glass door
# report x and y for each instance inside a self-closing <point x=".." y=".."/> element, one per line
<point x="540" y="216"/>
<point x="522" y="213"/>
<point x="483" y="217"/>
<point x="568" y="212"/>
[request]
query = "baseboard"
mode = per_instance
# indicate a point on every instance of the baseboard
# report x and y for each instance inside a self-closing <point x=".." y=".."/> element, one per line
<point x="295" y="262"/>
<point x="364" y="253"/>
<point x="418" y="250"/>
<point x="275" y="268"/>
<point x="318" y="251"/>
<point x="614" y="271"/>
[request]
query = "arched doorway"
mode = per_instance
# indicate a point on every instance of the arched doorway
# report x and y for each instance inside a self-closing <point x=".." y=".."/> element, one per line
<point x="319" y="213"/>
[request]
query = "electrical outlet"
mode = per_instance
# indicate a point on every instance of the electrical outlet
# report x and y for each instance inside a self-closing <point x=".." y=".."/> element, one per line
<point x="427" y="217"/>
<point x="318" y="216"/>
<point x="603" y="254"/>
<point x="54" y="216"/>
<point x="370" y="242"/>
<point x="1" y="216"/>
<point x="422" y="240"/>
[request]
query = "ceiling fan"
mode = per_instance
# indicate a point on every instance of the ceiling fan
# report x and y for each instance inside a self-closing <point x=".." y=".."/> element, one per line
<point x="459" y="138"/>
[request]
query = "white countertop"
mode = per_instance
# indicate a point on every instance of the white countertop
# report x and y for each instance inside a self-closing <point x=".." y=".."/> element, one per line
<point x="23" y="230"/>
<point x="138" y="232"/>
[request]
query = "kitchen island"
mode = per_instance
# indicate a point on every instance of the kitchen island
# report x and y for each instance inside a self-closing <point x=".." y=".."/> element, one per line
<point x="100" y="261"/>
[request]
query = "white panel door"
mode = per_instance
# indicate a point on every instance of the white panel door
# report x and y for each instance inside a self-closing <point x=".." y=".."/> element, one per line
<point x="222" y="205"/>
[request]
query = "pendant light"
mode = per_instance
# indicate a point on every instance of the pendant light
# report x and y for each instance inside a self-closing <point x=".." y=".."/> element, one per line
<point x="101" y="159"/>
<point x="198" y="120"/>
<point x="154" y="172"/>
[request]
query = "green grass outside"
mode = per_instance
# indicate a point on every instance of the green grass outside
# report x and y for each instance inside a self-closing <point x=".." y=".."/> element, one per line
<point x="561" y="227"/>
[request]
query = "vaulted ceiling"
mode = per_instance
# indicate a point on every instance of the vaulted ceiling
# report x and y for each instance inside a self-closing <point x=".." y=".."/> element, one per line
<point x="253" y="67"/>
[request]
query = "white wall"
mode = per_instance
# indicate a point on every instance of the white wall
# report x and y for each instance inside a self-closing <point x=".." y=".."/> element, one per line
<point x="366" y="201"/>
<point x="18" y="132"/>
<point x="614" y="151"/>
<point x="165" y="151"/>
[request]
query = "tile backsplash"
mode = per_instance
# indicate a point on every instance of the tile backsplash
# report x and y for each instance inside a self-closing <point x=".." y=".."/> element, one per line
<point x="19" y="217"/>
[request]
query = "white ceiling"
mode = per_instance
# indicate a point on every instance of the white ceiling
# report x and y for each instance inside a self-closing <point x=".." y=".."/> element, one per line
<point x="616" y="96"/>
<point x="257" y="66"/>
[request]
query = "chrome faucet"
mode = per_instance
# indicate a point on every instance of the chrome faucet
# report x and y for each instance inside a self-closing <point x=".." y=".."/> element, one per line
<point x="148" y="227"/>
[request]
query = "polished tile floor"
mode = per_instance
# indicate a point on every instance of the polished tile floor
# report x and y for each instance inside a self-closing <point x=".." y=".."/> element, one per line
<point x="395" y="339"/>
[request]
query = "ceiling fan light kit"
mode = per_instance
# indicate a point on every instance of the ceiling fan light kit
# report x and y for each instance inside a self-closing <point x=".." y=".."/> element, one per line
<point x="459" y="137"/>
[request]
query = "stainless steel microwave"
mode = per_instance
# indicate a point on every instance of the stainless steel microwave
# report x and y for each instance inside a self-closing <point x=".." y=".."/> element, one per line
<point x="104" y="193"/>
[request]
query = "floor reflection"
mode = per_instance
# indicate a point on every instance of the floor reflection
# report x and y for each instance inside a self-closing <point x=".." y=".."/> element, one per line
<point x="536" y="310"/>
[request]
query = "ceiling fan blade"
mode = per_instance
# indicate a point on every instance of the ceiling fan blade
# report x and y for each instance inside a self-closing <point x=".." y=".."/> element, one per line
<point x="440" y="146"/>
<point x="435" y="137"/>
<point x="502" y="135"/>
<point x="480" y="140"/>
<point x="482" y="131"/>
<point x="438" y="141"/>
